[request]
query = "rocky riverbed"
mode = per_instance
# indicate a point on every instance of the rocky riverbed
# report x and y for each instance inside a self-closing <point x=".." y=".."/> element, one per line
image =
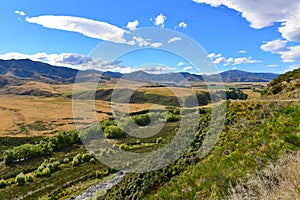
<point x="92" y="190"/>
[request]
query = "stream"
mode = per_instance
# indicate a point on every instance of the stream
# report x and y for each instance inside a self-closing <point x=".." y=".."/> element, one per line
<point x="92" y="190"/>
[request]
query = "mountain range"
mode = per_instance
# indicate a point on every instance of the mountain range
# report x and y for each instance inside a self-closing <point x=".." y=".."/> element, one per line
<point x="18" y="72"/>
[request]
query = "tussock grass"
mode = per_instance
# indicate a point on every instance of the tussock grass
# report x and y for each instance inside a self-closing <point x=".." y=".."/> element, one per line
<point x="280" y="180"/>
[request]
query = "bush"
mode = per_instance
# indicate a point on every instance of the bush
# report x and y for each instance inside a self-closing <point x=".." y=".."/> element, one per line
<point x="3" y="183"/>
<point x="42" y="171"/>
<point x="142" y="120"/>
<point x="124" y="146"/>
<point x="20" y="179"/>
<point x="159" y="140"/>
<point x="113" y="132"/>
<point x="106" y="123"/>
<point x="66" y="160"/>
<point x="86" y="157"/>
<point x="29" y="178"/>
<point x="176" y="111"/>
<point x="92" y="160"/>
<point x="138" y="141"/>
<point x="170" y="117"/>
<point x="46" y="171"/>
<point x="75" y="161"/>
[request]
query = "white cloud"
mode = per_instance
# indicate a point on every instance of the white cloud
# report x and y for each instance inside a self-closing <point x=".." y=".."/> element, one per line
<point x="242" y="51"/>
<point x="156" y="44"/>
<point x="291" y="55"/>
<point x="245" y="60"/>
<point x="274" y="46"/>
<point x="141" y="41"/>
<point x="22" y="13"/>
<point x="181" y="64"/>
<point x="182" y="25"/>
<point x="87" y="27"/>
<point x="188" y="68"/>
<point x="71" y="60"/>
<point x="160" y="20"/>
<point x="234" y="68"/>
<point x="131" y="42"/>
<point x="174" y="39"/>
<point x="157" y="69"/>
<point x="132" y="25"/>
<point x="213" y="55"/>
<point x="273" y="65"/>
<point x="144" y="42"/>
<point x="219" y="59"/>
<point x="292" y="67"/>
<point x="265" y="13"/>
<point x="288" y="54"/>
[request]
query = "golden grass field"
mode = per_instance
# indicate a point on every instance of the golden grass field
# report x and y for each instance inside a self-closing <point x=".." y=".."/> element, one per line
<point x="55" y="113"/>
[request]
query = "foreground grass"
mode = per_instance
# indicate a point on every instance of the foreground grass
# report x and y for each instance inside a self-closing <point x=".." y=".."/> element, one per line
<point x="280" y="180"/>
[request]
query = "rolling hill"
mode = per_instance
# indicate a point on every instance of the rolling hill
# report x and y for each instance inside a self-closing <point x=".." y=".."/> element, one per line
<point x="17" y="72"/>
<point x="241" y="76"/>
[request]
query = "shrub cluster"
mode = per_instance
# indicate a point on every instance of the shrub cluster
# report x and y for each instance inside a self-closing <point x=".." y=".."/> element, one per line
<point x="47" y="167"/>
<point x="81" y="158"/>
<point x="44" y="147"/>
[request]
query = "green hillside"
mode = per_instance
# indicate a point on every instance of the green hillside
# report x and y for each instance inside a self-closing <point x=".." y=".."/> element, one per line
<point x="286" y="85"/>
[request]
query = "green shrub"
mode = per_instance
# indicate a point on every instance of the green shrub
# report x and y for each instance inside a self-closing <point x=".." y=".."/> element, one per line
<point x="75" y="161"/>
<point x="29" y="178"/>
<point x="92" y="160"/>
<point x="124" y="146"/>
<point x="46" y="171"/>
<point x="66" y="160"/>
<point x="113" y="132"/>
<point x="78" y="156"/>
<point x="86" y="157"/>
<point x="159" y="140"/>
<point x="98" y="174"/>
<point x="3" y="183"/>
<point x="20" y="179"/>
<point x="142" y="120"/>
<point x="170" y="117"/>
<point x="106" y="123"/>
<point x="138" y="141"/>
<point x="176" y="111"/>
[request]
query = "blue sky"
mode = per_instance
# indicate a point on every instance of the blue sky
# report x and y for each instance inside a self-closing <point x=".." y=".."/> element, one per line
<point x="235" y="34"/>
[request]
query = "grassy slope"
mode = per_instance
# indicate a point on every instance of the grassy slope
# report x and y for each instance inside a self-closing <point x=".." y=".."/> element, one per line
<point x="285" y="86"/>
<point x="255" y="133"/>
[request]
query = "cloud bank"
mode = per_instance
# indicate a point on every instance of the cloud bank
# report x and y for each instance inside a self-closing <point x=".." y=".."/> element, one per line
<point x="72" y="60"/>
<point x="220" y="59"/>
